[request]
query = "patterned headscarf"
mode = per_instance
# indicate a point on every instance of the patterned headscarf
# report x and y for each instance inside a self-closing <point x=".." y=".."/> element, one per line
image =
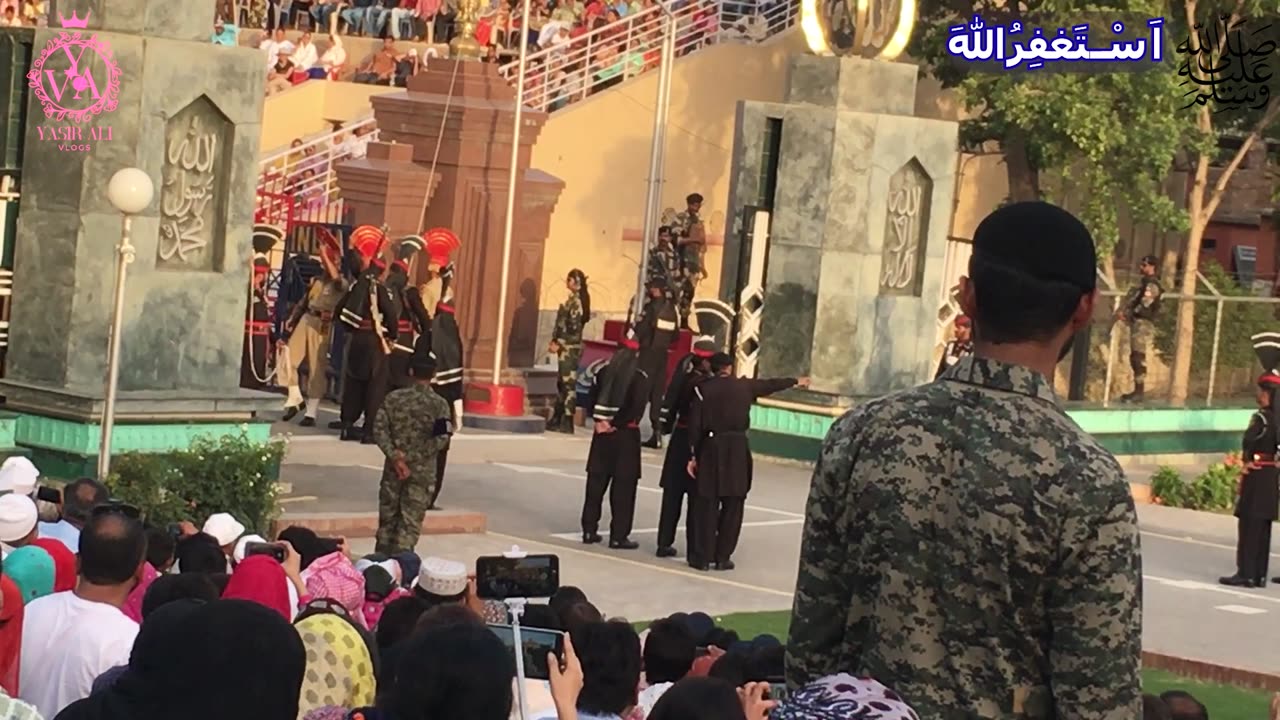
<point x="839" y="697"/>
<point x="339" y="669"/>
<point x="333" y="576"/>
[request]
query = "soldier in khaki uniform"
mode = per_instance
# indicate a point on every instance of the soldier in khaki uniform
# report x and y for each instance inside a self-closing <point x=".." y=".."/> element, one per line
<point x="965" y="541"/>
<point x="307" y="333"/>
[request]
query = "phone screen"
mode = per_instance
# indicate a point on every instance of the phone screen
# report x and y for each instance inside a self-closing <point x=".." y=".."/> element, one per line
<point x="532" y="576"/>
<point x="778" y="691"/>
<point x="261" y="548"/>
<point x="537" y="643"/>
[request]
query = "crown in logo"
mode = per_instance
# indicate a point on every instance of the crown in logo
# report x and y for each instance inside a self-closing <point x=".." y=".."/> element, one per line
<point x="74" y="22"/>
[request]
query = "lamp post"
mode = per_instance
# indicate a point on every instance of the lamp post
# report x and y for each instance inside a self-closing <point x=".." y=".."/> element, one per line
<point x="130" y="191"/>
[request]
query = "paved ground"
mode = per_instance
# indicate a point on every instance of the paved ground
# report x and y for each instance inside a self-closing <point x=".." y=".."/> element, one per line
<point x="531" y="489"/>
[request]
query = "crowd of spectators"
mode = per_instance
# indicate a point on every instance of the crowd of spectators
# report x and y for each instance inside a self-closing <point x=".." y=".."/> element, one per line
<point x="27" y="13"/>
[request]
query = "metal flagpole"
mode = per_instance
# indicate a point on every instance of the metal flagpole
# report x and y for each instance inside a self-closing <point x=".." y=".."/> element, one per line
<point x="511" y="195"/>
<point x="124" y="256"/>
<point x="653" y="196"/>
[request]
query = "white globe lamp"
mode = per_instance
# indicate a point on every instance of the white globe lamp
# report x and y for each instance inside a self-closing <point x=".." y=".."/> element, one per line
<point x="130" y="190"/>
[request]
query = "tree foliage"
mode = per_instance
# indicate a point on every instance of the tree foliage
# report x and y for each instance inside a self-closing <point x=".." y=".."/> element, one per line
<point x="1111" y="138"/>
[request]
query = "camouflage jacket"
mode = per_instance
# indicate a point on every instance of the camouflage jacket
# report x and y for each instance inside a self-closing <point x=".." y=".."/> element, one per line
<point x="968" y="545"/>
<point x="409" y="425"/>
<point x="663" y="265"/>
<point x="1142" y="302"/>
<point x="569" y="322"/>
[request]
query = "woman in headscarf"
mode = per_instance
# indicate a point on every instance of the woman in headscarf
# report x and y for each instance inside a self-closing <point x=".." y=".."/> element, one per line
<point x="31" y="569"/>
<point x="11" y="614"/>
<point x="224" y="659"/>
<point x="334" y="577"/>
<point x="838" y="697"/>
<point x="262" y="580"/>
<point x="310" y="547"/>
<point x="64" y="563"/>
<point x="340" y="672"/>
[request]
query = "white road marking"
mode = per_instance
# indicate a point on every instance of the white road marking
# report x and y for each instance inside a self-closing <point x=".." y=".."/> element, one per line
<point x="299" y="498"/>
<point x="1192" y="541"/>
<point x="1241" y="609"/>
<point x="1209" y="587"/>
<point x="464" y="437"/>
<point x="681" y="528"/>
<point x="527" y="469"/>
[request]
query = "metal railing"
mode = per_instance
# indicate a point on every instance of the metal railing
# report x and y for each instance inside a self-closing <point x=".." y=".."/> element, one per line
<point x="564" y="73"/>
<point x="299" y="184"/>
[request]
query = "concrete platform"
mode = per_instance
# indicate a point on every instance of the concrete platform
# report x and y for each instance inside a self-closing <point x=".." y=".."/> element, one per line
<point x="365" y="525"/>
<point x="523" y="425"/>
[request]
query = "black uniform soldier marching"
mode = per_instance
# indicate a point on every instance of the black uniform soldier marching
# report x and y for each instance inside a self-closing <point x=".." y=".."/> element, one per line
<point x="369" y="311"/>
<point x="657" y="329"/>
<point x="958" y="347"/>
<point x="1259" y="491"/>
<point x="613" y="462"/>
<point x="414" y="324"/>
<point x="446" y="342"/>
<point x="566" y="345"/>
<point x="257" y="323"/>
<point x="693" y="368"/>
<point x="1141" y="305"/>
<point x="721" y="458"/>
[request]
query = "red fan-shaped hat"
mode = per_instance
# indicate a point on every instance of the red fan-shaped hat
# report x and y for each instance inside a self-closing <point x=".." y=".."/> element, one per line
<point x="441" y="243"/>
<point x="367" y="240"/>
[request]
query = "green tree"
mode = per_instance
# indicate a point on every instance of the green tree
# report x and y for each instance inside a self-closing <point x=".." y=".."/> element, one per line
<point x="1109" y="138"/>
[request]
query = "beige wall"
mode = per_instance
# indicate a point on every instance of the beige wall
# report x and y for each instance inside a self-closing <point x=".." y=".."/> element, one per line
<point x="600" y="148"/>
<point x="308" y="109"/>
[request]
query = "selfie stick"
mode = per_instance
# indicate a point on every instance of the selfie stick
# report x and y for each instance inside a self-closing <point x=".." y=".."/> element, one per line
<point x="516" y="608"/>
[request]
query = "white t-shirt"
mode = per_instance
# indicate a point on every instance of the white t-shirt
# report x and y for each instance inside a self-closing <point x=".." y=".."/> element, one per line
<point x="67" y="642"/>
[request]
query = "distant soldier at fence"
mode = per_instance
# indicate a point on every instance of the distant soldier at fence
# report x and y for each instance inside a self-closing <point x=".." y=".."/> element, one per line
<point x="566" y="345"/>
<point x="691" y="243"/>
<point x="1140" y="308"/>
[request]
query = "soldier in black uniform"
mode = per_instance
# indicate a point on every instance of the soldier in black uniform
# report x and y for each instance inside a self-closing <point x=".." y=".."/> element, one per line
<point x="446" y="343"/>
<point x="721" y="458"/>
<point x="657" y="329"/>
<point x="664" y="263"/>
<point x="693" y="368"/>
<point x="257" y="322"/>
<point x="369" y="312"/>
<point x="958" y="347"/>
<point x="613" y="462"/>
<point x="1140" y="308"/>
<point x="414" y="324"/>
<point x="1259" y="488"/>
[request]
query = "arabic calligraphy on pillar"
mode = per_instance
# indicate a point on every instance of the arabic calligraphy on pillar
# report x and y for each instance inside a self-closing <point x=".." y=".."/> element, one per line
<point x="910" y="192"/>
<point x="1224" y="67"/>
<point x="186" y="207"/>
<point x="881" y="28"/>
<point x="1010" y="46"/>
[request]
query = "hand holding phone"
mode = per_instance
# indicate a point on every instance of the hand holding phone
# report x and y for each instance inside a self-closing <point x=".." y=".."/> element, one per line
<point x="754" y="704"/>
<point x="273" y="550"/>
<point x="566" y="681"/>
<point x="531" y="576"/>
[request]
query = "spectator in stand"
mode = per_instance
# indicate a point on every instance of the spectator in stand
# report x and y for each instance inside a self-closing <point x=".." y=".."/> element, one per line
<point x="321" y="11"/>
<point x="333" y="59"/>
<point x="224" y="34"/>
<point x="375" y="18"/>
<point x="402" y="20"/>
<point x="64" y="563"/>
<point x="17" y="522"/>
<point x="280" y="77"/>
<point x="491" y="54"/>
<point x="1183" y="706"/>
<point x="610" y="657"/>
<point x="380" y="68"/>
<point x="70" y="638"/>
<point x="272" y="44"/>
<point x="172" y="588"/>
<point x="408" y="67"/>
<point x="35" y="12"/>
<point x="10" y="18"/>
<point x="669" y="652"/>
<point x="31" y="569"/>
<point x="353" y="14"/>
<point x="304" y="58"/>
<point x="78" y="500"/>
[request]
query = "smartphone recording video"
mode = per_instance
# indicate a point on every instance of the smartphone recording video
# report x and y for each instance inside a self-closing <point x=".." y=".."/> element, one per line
<point x="532" y="576"/>
<point x="260" y="548"/>
<point x="537" y="643"/>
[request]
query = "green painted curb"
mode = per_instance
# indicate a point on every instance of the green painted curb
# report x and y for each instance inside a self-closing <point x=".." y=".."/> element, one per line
<point x="82" y="439"/>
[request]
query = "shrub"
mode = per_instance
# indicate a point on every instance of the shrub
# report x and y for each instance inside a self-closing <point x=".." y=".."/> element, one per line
<point x="1214" y="489"/>
<point x="231" y="474"/>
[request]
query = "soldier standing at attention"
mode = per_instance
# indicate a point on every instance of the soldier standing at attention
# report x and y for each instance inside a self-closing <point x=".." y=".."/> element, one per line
<point x="613" y="462"/>
<point x="691" y="243"/>
<point x="656" y="330"/>
<point x="965" y="541"/>
<point x="1140" y="307"/>
<point x="675" y="481"/>
<point x="1259" y="491"/>
<point x="664" y="263"/>
<point x="566" y="345"/>
<point x="446" y="343"/>
<point x="307" y="333"/>
<point x="369" y="311"/>
<point x="412" y="425"/>
<point x="254" y="373"/>
<point x="958" y="347"/>
<point x="413" y="323"/>
<point x="720" y="458"/>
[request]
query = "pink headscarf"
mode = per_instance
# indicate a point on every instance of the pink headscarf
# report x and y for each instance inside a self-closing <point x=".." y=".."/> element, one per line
<point x="334" y="577"/>
<point x="133" y="604"/>
<point x="260" y="579"/>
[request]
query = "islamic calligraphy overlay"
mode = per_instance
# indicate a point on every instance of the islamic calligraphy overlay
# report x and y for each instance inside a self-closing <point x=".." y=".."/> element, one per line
<point x="1228" y="64"/>
<point x="1116" y="44"/>
<point x="193" y="195"/>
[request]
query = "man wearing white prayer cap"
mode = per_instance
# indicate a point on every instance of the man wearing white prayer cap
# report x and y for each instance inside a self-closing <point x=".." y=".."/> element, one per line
<point x="226" y="530"/>
<point x="237" y="555"/>
<point x="18" y="475"/>
<point x="17" y="521"/>
<point x="442" y="582"/>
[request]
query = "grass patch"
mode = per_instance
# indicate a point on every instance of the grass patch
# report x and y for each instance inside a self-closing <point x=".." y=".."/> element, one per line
<point x="1225" y="702"/>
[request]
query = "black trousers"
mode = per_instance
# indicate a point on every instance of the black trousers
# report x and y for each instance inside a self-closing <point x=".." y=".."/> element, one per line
<point x="1253" y="548"/>
<point x="364" y="396"/>
<point x="716" y="527"/>
<point x="657" y="372"/>
<point x="622" y="504"/>
<point x="673" y="500"/>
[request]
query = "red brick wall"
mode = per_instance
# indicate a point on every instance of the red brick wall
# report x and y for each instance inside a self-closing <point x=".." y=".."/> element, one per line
<point x="1228" y="236"/>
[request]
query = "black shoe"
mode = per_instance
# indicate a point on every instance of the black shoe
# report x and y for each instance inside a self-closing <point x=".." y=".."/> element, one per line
<point x="654" y="442"/>
<point x="1276" y="580"/>
<point x="291" y="412"/>
<point x="434" y="508"/>
<point x="665" y="552"/>
<point x="566" y="426"/>
<point x="553" y="422"/>
<point x="350" y="435"/>
<point x="623" y="544"/>
<point x="1235" y="581"/>
<point x="368" y="440"/>
<point x="335" y="425"/>
<point x="699" y="566"/>
<point x="591" y="538"/>
<point x="726" y="565"/>
<point x="307" y="422"/>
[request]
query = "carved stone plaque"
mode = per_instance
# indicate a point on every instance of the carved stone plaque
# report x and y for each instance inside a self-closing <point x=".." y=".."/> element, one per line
<point x="906" y="231"/>
<point x="193" y="200"/>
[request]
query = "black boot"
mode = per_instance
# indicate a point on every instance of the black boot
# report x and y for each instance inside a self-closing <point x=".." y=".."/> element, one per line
<point x="666" y="552"/>
<point x="1235" y="581"/>
<point x="591" y="538"/>
<point x="566" y="425"/>
<point x="307" y="422"/>
<point x="556" y="418"/>
<point x="336" y="425"/>
<point x="623" y="544"/>
<point x="655" y="441"/>
<point x="291" y="412"/>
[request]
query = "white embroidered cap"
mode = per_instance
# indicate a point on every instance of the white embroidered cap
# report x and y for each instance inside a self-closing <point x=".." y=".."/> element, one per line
<point x="445" y="578"/>
<point x="224" y="528"/>
<point x="18" y="475"/>
<point x="17" y="517"/>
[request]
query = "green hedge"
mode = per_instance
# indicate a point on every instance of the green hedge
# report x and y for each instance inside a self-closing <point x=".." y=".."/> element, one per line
<point x="231" y="474"/>
<point x="1213" y="490"/>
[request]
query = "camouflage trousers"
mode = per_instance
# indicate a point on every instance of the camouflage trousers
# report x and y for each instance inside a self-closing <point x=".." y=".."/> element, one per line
<point x="566" y="386"/>
<point x="1141" y="335"/>
<point x="402" y="504"/>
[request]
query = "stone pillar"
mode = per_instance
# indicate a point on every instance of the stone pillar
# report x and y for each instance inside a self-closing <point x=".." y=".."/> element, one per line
<point x="859" y="224"/>
<point x="118" y="83"/>
<point x="469" y="135"/>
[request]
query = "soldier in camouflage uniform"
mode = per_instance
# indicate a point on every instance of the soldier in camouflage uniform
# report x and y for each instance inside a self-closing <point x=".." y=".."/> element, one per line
<point x="1140" y="307"/>
<point x="412" y="425"/>
<point x="691" y="244"/>
<point x="566" y="344"/>
<point x="664" y="265"/>
<point x="965" y="542"/>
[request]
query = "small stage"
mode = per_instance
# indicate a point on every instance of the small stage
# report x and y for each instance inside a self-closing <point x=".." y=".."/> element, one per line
<point x="795" y="431"/>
